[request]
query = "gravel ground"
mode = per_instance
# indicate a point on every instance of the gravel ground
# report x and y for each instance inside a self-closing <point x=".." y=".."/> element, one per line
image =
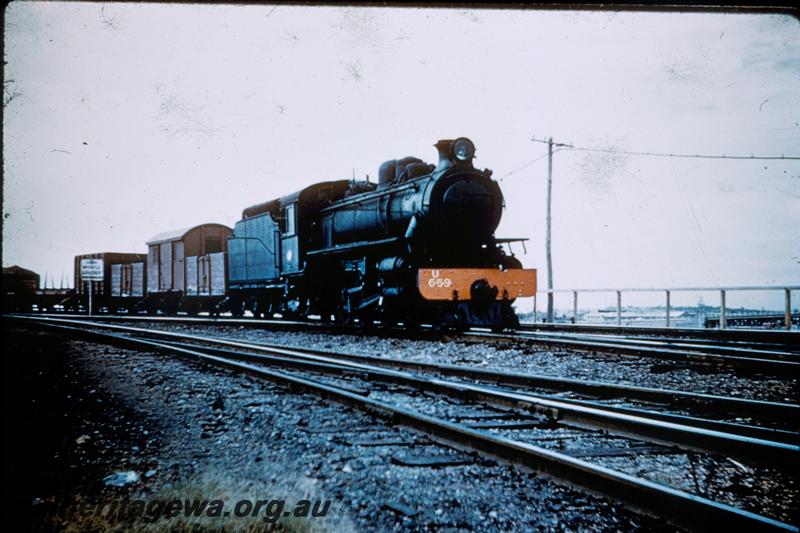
<point x="753" y="487"/>
<point x="526" y="358"/>
<point x="78" y="412"/>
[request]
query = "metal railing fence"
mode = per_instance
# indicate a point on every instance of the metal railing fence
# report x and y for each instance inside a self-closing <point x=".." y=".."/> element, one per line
<point x="723" y="291"/>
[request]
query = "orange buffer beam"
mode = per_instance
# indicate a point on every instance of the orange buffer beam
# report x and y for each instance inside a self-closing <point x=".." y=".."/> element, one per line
<point x="455" y="283"/>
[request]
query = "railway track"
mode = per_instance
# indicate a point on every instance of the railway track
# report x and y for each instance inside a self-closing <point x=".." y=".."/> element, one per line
<point x="721" y="347"/>
<point x="354" y="378"/>
<point x="692" y="341"/>
<point x="782" y="413"/>
<point x="755" y="339"/>
<point x="780" y="356"/>
<point x="746" y="336"/>
<point x="774" y="361"/>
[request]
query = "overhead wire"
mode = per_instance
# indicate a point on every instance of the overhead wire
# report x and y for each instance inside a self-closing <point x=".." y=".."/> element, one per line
<point x="526" y="165"/>
<point x="665" y="154"/>
<point x="562" y="146"/>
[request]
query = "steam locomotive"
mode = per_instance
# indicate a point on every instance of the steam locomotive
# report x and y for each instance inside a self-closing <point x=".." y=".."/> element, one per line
<point x="416" y="247"/>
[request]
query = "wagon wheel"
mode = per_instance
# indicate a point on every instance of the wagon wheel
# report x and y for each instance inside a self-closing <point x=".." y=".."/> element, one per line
<point x="299" y="311"/>
<point x="410" y="320"/>
<point x="260" y="309"/>
<point x="237" y="310"/>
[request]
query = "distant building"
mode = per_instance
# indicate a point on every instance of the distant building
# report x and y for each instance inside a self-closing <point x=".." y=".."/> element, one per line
<point x="18" y="279"/>
<point x="610" y="314"/>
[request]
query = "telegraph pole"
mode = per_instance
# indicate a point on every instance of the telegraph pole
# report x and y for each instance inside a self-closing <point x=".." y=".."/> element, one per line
<point x="549" y="237"/>
<point x="548" y="240"/>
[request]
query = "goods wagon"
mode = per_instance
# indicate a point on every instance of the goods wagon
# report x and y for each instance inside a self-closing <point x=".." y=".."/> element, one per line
<point x="187" y="269"/>
<point x="122" y="286"/>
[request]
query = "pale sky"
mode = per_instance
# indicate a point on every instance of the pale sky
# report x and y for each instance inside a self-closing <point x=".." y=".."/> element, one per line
<point x="133" y="119"/>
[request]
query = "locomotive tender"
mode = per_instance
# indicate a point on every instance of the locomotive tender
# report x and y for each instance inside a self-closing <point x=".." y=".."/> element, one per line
<point x="417" y="247"/>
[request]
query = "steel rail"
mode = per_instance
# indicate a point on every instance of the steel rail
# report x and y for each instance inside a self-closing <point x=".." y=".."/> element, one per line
<point x="753" y="364"/>
<point x="726" y="404"/>
<point x="791" y="338"/>
<point x="755" y="432"/>
<point x="637" y="423"/>
<point x="710" y="344"/>
<point x="730" y="405"/>
<point x="769" y="337"/>
<point x="730" y="288"/>
<point x="741" y="351"/>
<point x="645" y="335"/>
<point x="176" y="318"/>
<point x="604" y="418"/>
<point x="680" y="507"/>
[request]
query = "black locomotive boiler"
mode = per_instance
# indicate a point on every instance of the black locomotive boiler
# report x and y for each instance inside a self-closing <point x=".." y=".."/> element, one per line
<point x="417" y="247"/>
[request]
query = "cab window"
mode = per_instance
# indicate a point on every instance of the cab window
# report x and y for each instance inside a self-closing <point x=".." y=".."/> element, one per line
<point x="287" y="220"/>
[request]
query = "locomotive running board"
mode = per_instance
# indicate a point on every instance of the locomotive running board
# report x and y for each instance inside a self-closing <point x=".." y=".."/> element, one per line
<point x="455" y="283"/>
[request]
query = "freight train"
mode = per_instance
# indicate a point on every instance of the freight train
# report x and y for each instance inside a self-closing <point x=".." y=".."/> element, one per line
<point x="417" y="247"/>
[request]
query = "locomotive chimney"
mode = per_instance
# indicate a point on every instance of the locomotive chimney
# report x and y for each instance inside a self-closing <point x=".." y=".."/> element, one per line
<point x="445" y="155"/>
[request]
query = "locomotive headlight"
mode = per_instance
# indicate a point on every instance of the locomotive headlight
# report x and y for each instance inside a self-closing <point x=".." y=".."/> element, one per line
<point x="463" y="149"/>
